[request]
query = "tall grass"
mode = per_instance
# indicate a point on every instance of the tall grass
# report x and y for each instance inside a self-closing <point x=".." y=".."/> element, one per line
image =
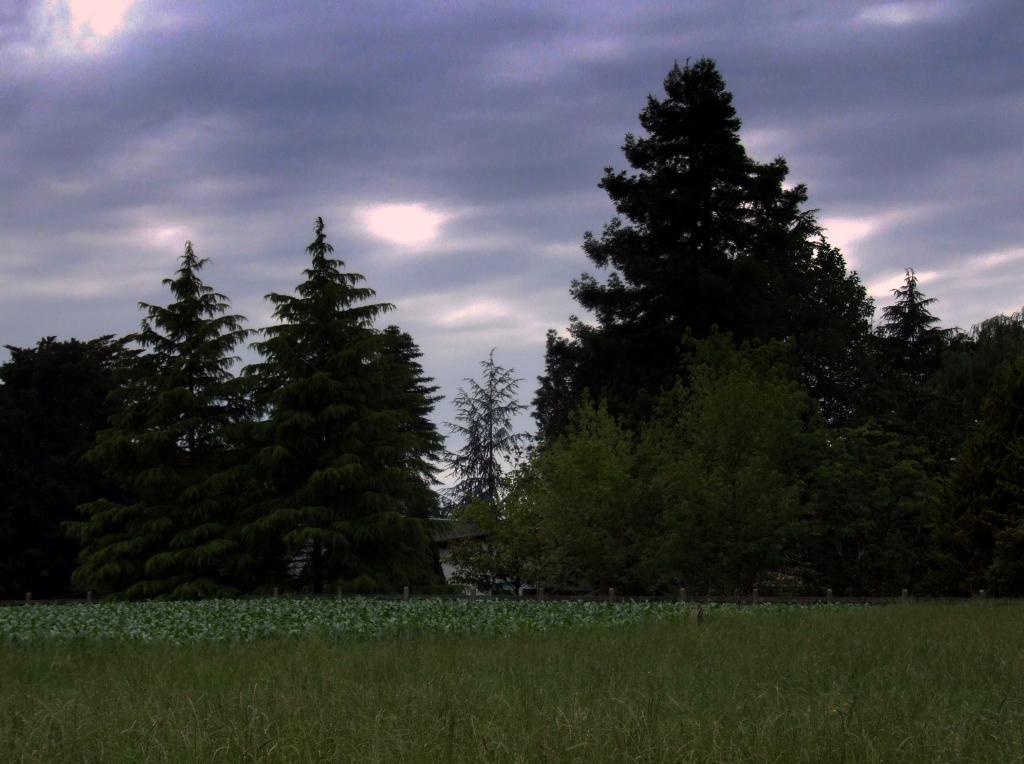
<point x="903" y="683"/>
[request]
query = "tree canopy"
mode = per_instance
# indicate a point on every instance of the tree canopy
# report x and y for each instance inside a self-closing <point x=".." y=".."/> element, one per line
<point x="341" y="467"/>
<point x="980" y="527"/>
<point x="169" y="439"/>
<point x="704" y="237"/>
<point x="483" y="421"/>
<point x="53" y="401"/>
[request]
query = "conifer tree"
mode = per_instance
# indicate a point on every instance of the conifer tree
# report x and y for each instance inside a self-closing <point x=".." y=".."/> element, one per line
<point x="415" y="394"/>
<point x="342" y="462"/>
<point x="912" y="339"/>
<point x="169" y="441"/>
<point x="483" y="421"/>
<point x="906" y="396"/>
<point x="704" y="237"/>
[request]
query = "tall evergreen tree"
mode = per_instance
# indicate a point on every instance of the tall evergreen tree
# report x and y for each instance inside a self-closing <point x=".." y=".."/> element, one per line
<point x="167" y="447"/>
<point x="905" y="398"/>
<point x="483" y="421"/>
<point x="704" y="237"/>
<point x="415" y="394"/>
<point x="53" y="401"/>
<point x="343" y="458"/>
<point x="913" y="339"/>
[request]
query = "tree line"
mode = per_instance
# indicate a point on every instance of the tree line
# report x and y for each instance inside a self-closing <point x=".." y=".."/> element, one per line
<point x="312" y="467"/>
<point x="725" y="415"/>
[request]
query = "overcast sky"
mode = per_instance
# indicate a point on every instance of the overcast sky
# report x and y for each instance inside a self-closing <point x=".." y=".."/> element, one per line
<point x="454" y="149"/>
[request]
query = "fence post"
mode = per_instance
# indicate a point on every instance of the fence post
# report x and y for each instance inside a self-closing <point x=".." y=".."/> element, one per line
<point x="88" y="596"/>
<point x="904" y="594"/>
<point x="540" y="592"/>
<point x="682" y="594"/>
<point x="755" y="597"/>
<point x="611" y="594"/>
<point x="828" y="596"/>
<point x="277" y="592"/>
<point x="405" y="592"/>
<point x="28" y="598"/>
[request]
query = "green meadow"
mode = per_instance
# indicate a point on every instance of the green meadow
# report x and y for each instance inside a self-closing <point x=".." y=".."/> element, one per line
<point x="588" y="682"/>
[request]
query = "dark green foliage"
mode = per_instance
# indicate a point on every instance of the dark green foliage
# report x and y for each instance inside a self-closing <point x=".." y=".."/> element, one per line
<point x="912" y="342"/>
<point x="869" y="515"/>
<point x="52" y="403"/>
<point x="723" y="460"/>
<point x="494" y="553"/>
<point x="907" y="348"/>
<point x="415" y="395"/>
<point x="343" y="467"/>
<point x="980" y="531"/>
<point x="704" y="237"/>
<point x="929" y="381"/>
<point x="968" y="365"/>
<point x="572" y="519"/>
<point x="709" y="495"/>
<point x="483" y="421"/>
<point x="170" y="448"/>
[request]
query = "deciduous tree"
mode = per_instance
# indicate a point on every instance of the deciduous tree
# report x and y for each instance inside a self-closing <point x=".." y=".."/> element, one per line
<point x="723" y="461"/>
<point x="574" y="516"/>
<point x="53" y="401"/>
<point x="980" y="524"/>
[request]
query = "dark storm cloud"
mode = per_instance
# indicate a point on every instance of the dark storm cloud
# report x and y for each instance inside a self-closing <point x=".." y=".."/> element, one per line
<point x="235" y="127"/>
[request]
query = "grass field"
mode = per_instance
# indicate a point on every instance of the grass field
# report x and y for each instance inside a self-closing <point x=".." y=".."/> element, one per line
<point x="913" y="682"/>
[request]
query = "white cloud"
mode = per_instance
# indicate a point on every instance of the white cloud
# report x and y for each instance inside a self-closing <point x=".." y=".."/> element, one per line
<point x="562" y="250"/>
<point x="502" y="312"/>
<point x="477" y="313"/>
<point x="902" y="13"/>
<point x="80" y="26"/>
<point x="766" y="142"/>
<point x="845" y="232"/>
<point x="848" y="232"/>
<point x="984" y="270"/>
<point x="881" y="288"/>
<point x="407" y="225"/>
<point x="78" y="283"/>
<point x="996" y="259"/>
<point x="99" y="18"/>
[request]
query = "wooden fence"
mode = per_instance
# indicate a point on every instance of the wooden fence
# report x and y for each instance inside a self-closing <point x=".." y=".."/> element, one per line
<point x="682" y="596"/>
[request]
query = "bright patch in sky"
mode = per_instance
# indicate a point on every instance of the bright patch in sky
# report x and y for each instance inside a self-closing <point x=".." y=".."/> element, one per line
<point x="901" y="13"/>
<point x="881" y="289"/>
<point x="847" y="233"/>
<point x="477" y="312"/>
<point x="82" y="24"/>
<point x="409" y="225"/>
<point x="101" y="18"/>
<point x="844" y="232"/>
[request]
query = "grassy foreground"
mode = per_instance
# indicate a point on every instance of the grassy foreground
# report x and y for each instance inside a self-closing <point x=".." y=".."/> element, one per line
<point x="905" y="683"/>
